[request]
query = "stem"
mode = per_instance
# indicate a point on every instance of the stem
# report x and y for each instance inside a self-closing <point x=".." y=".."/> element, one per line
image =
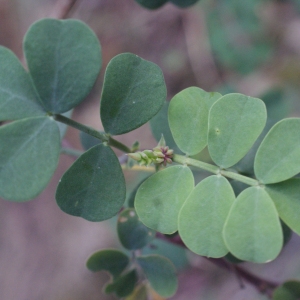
<point x="196" y="163"/>
<point x="214" y="169"/>
<point x="91" y="131"/>
<point x="114" y="143"/>
<point x="239" y="177"/>
<point x="262" y="285"/>
<point x="105" y="138"/>
<point x="72" y="152"/>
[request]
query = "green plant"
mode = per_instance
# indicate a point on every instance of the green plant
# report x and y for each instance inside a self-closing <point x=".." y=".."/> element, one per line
<point x="209" y="218"/>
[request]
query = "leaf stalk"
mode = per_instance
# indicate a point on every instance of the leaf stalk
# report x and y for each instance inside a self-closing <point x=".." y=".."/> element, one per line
<point x="214" y="169"/>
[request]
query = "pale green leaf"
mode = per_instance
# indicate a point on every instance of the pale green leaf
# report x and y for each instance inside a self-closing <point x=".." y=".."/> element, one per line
<point x="94" y="187"/>
<point x="161" y="274"/>
<point x="64" y="60"/>
<point x="188" y="118"/>
<point x="252" y="231"/>
<point x="161" y="196"/>
<point x="286" y="196"/>
<point x="29" y="153"/>
<point x="18" y="98"/>
<point x="160" y="127"/>
<point x="278" y="157"/>
<point x="134" y="91"/>
<point x="235" y="122"/>
<point x="202" y="217"/>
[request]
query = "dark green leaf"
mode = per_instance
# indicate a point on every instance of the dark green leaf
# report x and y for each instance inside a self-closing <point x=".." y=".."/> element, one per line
<point x="110" y="260"/>
<point x="286" y="196"/>
<point x="64" y="59"/>
<point x="133" y="234"/>
<point x="235" y="122"/>
<point x="63" y="127"/>
<point x="277" y="106"/>
<point x="161" y="274"/>
<point x="94" y="186"/>
<point x="133" y="92"/>
<point x="188" y="118"/>
<point x="139" y="293"/>
<point x="246" y="164"/>
<point x="287" y="232"/>
<point x="238" y="186"/>
<point x="175" y="253"/>
<point x="87" y="141"/>
<point x="202" y="217"/>
<point x="29" y="153"/>
<point x="123" y="285"/>
<point x="278" y="156"/>
<point x="161" y="196"/>
<point x="131" y="196"/>
<point x="232" y="259"/>
<point x="152" y="4"/>
<point x="184" y="3"/>
<point x="18" y="98"/>
<point x="252" y="231"/>
<point x="290" y="290"/>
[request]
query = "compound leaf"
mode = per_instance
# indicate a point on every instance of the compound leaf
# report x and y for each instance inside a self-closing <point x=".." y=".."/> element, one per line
<point x="64" y="59"/>
<point x="278" y="157"/>
<point x="290" y="290"/>
<point x="110" y="260"/>
<point x="94" y="187"/>
<point x="123" y="285"/>
<point x="287" y="201"/>
<point x="18" y="98"/>
<point x="29" y="153"/>
<point x="235" y="122"/>
<point x="161" y="274"/>
<point x="133" y="92"/>
<point x="202" y="217"/>
<point x="133" y="234"/>
<point x="252" y="226"/>
<point x="188" y="118"/>
<point x="161" y="196"/>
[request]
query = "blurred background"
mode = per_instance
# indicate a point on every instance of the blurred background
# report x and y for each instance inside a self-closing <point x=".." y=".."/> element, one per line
<point x="246" y="46"/>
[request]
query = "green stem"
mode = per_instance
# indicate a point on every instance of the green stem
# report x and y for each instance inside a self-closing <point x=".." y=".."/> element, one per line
<point x="214" y="169"/>
<point x="72" y="152"/>
<point x="114" y="143"/>
<point x="239" y="177"/>
<point x="91" y="131"/>
<point x="196" y="163"/>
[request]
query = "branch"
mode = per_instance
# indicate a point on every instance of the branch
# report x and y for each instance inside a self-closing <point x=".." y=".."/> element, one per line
<point x="264" y="286"/>
<point x="214" y="169"/>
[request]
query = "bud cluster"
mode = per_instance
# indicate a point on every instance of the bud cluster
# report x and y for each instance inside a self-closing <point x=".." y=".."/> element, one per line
<point x="161" y="154"/>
